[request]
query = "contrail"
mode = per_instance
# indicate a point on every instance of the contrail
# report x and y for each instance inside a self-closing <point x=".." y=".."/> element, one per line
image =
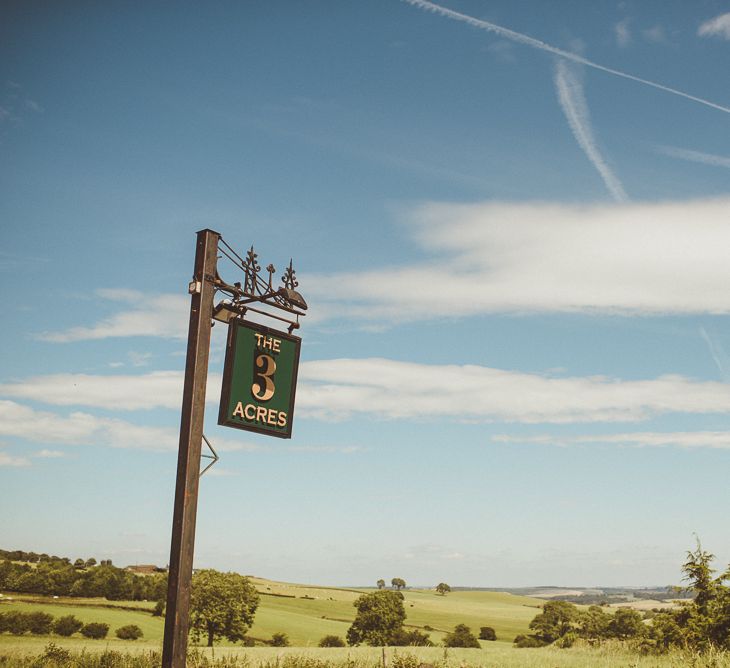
<point x="543" y="46"/>
<point x="695" y="156"/>
<point x="573" y="103"/>
<point x="717" y="352"/>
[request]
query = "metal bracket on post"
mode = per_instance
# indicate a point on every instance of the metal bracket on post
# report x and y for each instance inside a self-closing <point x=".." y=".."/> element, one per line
<point x="214" y="456"/>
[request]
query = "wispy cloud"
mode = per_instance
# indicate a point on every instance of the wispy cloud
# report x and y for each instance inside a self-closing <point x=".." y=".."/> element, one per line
<point x="163" y="316"/>
<point x="717" y="27"/>
<point x="718" y="440"/>
<point x="695" y="156"/>
<point x="573" y="103"/>
<point x="521" y="38"/>
<point x="340" y="389"/>
<point x="622" y="32"/>
<point x="12" y="460"/>
<point x="49" y="454"/>
<point x="389" y="389"/>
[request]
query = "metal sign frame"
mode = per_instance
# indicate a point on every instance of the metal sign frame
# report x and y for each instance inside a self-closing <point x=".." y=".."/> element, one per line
<point x="224" y="412"/>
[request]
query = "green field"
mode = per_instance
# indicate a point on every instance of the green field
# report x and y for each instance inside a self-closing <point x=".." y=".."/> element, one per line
<point x="307" y="613"/>
<point x="304" y="613"/>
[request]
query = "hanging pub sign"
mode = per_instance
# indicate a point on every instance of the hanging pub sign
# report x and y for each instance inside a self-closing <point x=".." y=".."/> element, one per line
<point x="259" y="379"/>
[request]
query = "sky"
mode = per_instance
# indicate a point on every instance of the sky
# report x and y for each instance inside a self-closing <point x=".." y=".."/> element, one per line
<point x="510" y="222"/>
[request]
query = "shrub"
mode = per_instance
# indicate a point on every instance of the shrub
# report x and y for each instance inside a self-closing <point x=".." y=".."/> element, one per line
<point x="528" y="641"/>
<point x="95" y="630"/>
<point x="40" y="623"/>
<point x="406" y="661"/>
<point x="55" y="655"/>
<point x="412" y="638"/>
<point x="16" y="622"/>
<point x="129" y="632"/>
<point x="249" y="642"/>
<point x="279" y="640"/>
<point x="67" y="625"/>
<point x="487" y="633"/>
<point x="461" y="636"/>
<point x="159" y="610"/>
<point x="332" y="641"/>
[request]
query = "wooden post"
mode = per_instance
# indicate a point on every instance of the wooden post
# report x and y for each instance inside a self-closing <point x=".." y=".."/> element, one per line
<point x="182" y="547"/>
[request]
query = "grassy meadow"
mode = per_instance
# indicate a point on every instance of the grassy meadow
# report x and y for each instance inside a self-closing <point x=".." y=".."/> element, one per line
<point x="307" y="613"/>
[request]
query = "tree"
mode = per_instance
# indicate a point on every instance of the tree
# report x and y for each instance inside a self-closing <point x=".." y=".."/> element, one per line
<point x="555" y="620"/>
<point x="279" y="639"/>
<point x="626" y="623"/>
<point x="221" y="605"/>
<point x="79" y="563"/>
<point x="398" y="583"/>
<point x="381" y="584"/>
<point x="90" y="562"/>
<point x="487" y="633"/>
<point x="129" y="632"/>
<point x="698" y="573"/>
<point x="461" y="636"/>
<point x="442" y="588"/>
<point x="380" y="615"/>
<point x="593" y="623"/>
<point x="331" y="641"/>
<point x="67" y="625"/>
<point x="95" y="630"/>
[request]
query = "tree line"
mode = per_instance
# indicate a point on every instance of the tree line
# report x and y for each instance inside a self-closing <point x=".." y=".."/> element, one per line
<point x="699" y="625"/>
<point x="59" y="577"/>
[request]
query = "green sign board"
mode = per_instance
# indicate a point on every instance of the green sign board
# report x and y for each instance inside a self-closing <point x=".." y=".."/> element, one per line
<point x="259" y="379"/>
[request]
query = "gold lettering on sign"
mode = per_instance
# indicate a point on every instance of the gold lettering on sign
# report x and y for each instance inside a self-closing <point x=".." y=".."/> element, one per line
<point x="265" y="368"/>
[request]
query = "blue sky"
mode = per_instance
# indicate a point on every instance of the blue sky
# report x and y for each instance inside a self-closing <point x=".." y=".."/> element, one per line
<point x="510" y="223"/>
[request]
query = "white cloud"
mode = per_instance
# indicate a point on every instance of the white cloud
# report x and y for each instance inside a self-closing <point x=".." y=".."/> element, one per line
<point x="689" y="440"/>
<point x="695" y="156"/>
<point x="656" y="34"/>
<point x="341" y="388"/>
<point x="623" y="34"/>
<point x="159" y="389"/>
<point x="717" y="27"/>
<point x="574" y="106"/>
<point x="164" y="316"/>
<point x="13" y="461"/>
<point x="49" y="454"/>
<point x="633" y="259"/>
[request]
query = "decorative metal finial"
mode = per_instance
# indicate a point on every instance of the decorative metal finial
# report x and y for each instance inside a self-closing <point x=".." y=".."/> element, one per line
<point x="272" y="270"/>
<point x="289" y="278"/>
<point x="251" y="269"/>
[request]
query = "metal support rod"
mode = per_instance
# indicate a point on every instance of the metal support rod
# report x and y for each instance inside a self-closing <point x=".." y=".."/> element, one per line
<point x="182" y="546"/>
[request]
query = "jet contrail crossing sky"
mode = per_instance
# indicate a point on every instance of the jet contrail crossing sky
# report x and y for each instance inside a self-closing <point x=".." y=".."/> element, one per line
<point x="543" y="46"/>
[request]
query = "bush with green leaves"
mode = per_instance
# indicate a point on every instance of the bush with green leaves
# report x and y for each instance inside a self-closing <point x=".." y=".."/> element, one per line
<point x="461" y="636"/>
<point x="412" y="638"/>
<point x="487" y="633"/>
<point x="67" y="625"/>
<point x="331" y="641"/>
<point x="39" y="623"/>
<point x="380" y="615"/>
<point x="129" y="632"/>
<point x="523" y="640"/>
<point x="15" y="622"/>
<point x="279" y="639"/>
<point x="95" y="630"/>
